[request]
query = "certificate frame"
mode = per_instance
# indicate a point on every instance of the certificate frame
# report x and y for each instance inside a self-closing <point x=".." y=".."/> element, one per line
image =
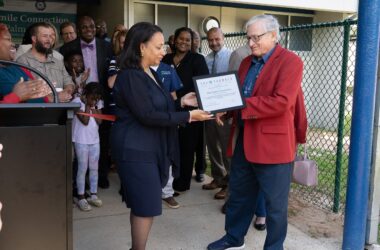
<point x="219" y="92"/>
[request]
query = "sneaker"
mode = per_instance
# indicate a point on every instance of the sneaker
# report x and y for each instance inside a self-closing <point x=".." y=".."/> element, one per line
<point x="223" y="244"/>
<point x="171" y="202"/>
<point x="95" y="201"/>
<point x="83" y="205"/>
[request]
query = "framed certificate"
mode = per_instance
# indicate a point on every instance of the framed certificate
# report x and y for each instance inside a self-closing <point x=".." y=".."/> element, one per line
<point x="218" y="92"/>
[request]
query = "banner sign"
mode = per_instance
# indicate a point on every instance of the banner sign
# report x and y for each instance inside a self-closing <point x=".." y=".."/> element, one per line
<point x="18" y="15"/>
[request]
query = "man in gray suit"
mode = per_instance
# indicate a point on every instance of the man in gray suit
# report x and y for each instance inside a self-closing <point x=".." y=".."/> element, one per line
<point x="217" y="136"/>
<point x="237" y="56"/>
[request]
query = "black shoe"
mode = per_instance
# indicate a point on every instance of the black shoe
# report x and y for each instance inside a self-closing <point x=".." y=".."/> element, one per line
<point x="103" y="183"/>
<point x="224" y="244"/>
<point x="200" y="177"/>
<point x="178" y="193"/>
<point x="224" y="207"/>
<point x="260" y="227"/>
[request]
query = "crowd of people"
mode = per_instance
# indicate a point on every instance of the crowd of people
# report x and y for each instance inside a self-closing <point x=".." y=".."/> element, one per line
<point x="160" y="136"/>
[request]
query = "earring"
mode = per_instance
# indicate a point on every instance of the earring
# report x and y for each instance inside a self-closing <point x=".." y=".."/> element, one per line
<point x="142" y="54"/>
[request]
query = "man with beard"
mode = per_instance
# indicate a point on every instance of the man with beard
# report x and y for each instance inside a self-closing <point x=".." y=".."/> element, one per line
<point x="41" y="58"/>
<point x="96" y="56"/>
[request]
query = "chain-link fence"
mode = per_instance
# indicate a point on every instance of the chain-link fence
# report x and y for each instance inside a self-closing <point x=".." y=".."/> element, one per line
<point x="328" y="53"/>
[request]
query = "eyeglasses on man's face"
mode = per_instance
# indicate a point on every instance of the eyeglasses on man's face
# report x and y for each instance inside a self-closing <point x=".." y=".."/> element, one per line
<point x="256" y="38"/>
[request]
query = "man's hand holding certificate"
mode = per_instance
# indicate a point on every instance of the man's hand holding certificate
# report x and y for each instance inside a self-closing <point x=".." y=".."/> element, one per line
<point x="218" y="92"/>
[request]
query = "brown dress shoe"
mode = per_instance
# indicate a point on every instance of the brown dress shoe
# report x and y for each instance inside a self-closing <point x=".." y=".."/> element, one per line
<point x="211" y="186"/>
<point x="221" y="194"/>
<point x="171" y="202"/>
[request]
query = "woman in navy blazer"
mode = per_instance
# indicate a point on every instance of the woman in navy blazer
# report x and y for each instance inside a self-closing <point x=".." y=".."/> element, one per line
<point x="144" y="136"/>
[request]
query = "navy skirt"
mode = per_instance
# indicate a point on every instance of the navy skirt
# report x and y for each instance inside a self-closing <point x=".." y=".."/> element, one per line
<point x="140" y="183"/>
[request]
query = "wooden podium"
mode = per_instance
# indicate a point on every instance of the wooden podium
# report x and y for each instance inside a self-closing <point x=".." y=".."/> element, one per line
<point x="36" y="176"/>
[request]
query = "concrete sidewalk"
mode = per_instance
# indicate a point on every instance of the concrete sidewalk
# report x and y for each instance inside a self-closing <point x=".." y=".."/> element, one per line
<point x="191" y="227"/>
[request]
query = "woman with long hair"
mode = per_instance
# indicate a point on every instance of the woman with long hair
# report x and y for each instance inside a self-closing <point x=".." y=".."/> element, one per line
<point x="187" y="64"/>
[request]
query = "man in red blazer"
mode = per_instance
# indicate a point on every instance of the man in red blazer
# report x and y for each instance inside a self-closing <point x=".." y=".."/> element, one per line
<point x="264" y="136"/>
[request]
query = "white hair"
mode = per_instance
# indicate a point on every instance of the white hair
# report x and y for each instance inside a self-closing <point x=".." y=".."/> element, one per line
<point x="269" y="21"/>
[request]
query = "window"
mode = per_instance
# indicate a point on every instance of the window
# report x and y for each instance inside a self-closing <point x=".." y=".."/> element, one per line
<point x="168" y="16"/>
<point x="144" y="12"/>
<point x="300" y="40"/>
<point x="283" y="20"/>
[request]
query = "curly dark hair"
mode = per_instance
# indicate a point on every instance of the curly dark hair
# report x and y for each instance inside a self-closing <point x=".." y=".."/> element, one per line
<point x="93" y="88"/>
<point x="139" y="33"/>
<point x="183" y="29"/>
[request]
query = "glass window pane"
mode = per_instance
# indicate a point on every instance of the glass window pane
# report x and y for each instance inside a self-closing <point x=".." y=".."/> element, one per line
<point x="300" y="40"/>
<point x="143" y="12"/>
<point x="171" y="18"/>
<point x="282" y="19"/>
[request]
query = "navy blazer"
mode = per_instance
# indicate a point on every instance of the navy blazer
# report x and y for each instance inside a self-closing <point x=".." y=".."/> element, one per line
<point x="146" y="121"/>
<point x="193" y="64"/>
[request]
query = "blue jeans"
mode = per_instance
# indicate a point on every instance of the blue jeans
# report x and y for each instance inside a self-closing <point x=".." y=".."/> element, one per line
<point x="260" y="207"/>
<point x="88" y="157"/>
<point x="246" y="180"/>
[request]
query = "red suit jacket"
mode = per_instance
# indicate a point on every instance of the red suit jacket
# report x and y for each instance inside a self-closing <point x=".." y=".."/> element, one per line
<point x="274" y="116"/>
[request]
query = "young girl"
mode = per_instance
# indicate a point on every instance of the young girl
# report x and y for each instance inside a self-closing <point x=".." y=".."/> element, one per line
<point x="86" y="143"/>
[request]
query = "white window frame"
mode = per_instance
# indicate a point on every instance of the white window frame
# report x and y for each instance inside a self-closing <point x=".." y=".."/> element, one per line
<point x="131" y="10"/>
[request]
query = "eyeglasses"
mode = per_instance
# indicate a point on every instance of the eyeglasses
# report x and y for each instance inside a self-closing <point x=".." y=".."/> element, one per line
<point x="256" y="38"/>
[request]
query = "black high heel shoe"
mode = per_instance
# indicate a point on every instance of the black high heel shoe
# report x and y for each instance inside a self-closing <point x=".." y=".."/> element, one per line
<point x="260" y="227"/>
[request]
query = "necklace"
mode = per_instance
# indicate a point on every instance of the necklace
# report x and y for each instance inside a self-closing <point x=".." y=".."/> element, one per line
<point x="177" y="59"/>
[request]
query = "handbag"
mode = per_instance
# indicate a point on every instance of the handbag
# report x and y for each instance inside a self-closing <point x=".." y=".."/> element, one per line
<point x="305" y="171"/>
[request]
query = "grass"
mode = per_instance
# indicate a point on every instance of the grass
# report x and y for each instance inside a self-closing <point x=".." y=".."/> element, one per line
<point x="325" y="156"/>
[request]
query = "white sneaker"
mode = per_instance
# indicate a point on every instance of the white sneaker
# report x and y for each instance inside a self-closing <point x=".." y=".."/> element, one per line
<point x="83" y="205"/>
<point x="95" y="201"/>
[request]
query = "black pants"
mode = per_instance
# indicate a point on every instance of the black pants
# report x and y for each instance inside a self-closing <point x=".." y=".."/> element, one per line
<point x="200" y="161"/>
<point x="246" y="181"/>
<point x="104" y="159"/>
<point x="189" y="137"/>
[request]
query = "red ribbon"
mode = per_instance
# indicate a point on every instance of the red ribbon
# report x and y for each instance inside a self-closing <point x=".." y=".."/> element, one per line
<point x="111" y="118"/>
